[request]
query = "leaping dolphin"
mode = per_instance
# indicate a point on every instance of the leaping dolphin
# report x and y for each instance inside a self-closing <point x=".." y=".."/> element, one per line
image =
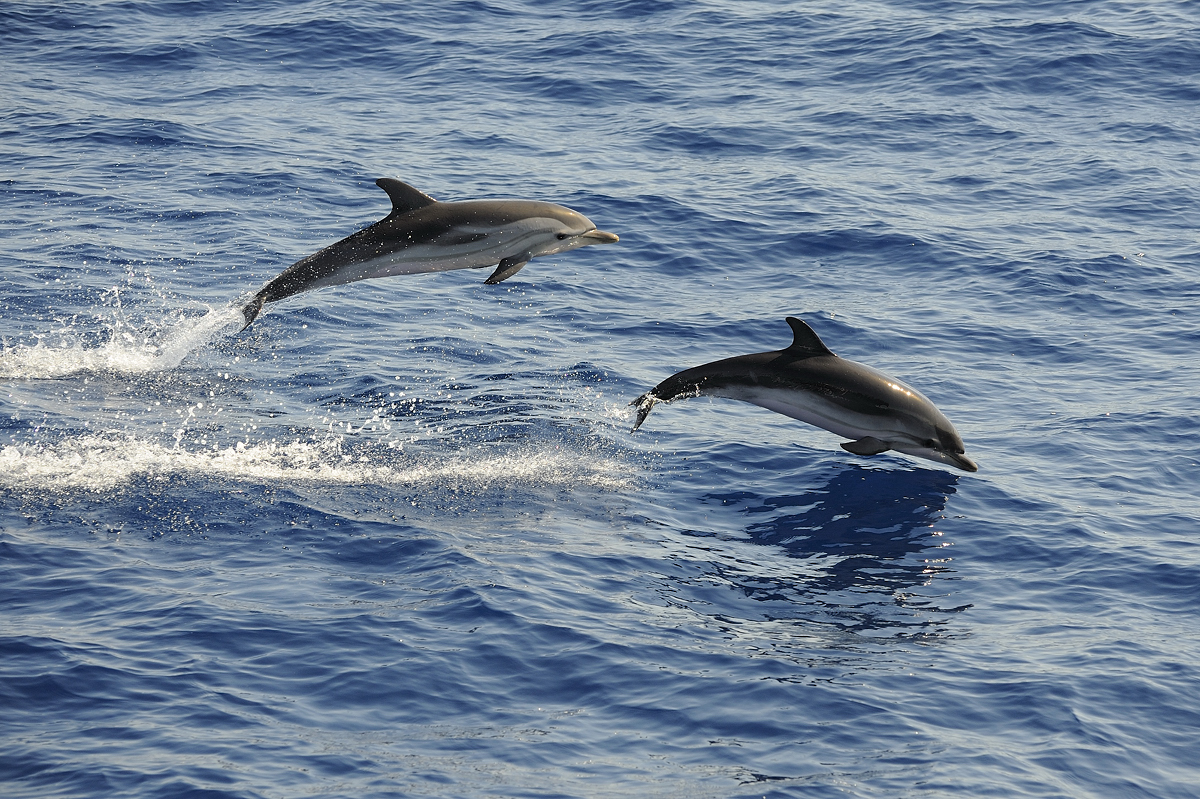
<point x="808" y="382"/>
<point x="424" y="235"/>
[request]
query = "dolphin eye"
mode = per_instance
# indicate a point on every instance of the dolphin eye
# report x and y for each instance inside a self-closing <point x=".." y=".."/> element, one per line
<point x="930" y="443"/>
<point x="562" y="236"/>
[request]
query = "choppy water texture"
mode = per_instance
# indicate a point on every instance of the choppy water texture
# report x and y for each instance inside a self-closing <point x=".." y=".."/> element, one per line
<point x="396" y="538"/>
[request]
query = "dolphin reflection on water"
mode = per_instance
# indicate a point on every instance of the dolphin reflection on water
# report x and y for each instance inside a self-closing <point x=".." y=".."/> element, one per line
<point x="806" y="381"/>
<point x="424" y="235"/>
<point x="863" y="541"/>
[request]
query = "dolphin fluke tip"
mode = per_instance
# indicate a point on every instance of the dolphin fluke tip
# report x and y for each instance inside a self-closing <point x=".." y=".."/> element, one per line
<point x="645" y="404"/>
<point x="251" y="311"/>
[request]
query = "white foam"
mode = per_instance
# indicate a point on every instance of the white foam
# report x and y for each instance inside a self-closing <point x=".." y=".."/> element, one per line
<point x="102" y="462"/>
<point x="126" y="351"/>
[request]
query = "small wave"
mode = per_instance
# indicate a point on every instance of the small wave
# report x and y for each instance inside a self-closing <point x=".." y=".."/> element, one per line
<point x="103" y="462"/>
<point x="126" y="352"/>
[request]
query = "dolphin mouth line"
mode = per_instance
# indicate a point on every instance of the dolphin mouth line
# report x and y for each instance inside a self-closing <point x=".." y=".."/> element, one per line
<point x="600" y="236"/>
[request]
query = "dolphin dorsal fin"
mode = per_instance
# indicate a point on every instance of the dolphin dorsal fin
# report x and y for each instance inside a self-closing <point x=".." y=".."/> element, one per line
<point x="806" y="341"/>
<point x="404" y="197"/>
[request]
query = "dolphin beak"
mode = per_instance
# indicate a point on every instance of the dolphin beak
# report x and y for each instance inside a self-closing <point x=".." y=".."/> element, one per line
<point x="599" y="237"/>
<point x="962" y="462"/>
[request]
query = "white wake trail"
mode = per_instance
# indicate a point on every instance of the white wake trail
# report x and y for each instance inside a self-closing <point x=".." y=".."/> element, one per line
<point x="126" y="351"/>
<point x="106" y="461"/>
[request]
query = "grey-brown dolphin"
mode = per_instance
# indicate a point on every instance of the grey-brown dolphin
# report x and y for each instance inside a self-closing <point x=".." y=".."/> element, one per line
<point x="424" y="235"/>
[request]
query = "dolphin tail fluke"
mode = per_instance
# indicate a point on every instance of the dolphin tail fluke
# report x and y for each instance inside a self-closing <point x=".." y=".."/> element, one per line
<point x="252" y="309"/>
<point x="645" y="404"/>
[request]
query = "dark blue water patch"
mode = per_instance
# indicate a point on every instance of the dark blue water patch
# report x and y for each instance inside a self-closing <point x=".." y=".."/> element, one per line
<point x="160" y="58"/>
<point x="38" y="774"/>
<point x="901" y="131"/>
<point x="320" y="42"/>
<point x="138" y="10"/>
<point x="620" y="9"/>
<point x="872" y="243"/>
<point x="23" y="20"/>
<point x="730" y="338"/>
<point x="948" y="61"/>
<point x="1123" y="61"/>
<point x="1163" y="587"/>
<point x="670" y="216"/>
<point x="595" y="89"/>
<point x="122" y="140"/>
<point x="714" y="142"/>
<point x="403" y="396"/>
<point x="467" y="352"/>
<point x="1059" y="283"/>
<point x="493" y="141"/>
<point x="1138" y="206"/>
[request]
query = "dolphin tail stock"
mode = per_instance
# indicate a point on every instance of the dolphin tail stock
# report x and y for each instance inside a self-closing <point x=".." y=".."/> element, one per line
<point x="252" y="310"/>
<point x="645" y="404"/>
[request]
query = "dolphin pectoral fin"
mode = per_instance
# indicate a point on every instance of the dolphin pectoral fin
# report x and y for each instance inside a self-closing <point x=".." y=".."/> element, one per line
<point x="645" y="404"/>
<point x="507" y="268"/>
<point x="252" y="310"/>
<point x="868" y="445"/>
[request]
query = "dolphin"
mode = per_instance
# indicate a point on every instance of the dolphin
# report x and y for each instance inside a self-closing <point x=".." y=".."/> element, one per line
<point x="424" y="235"/>
<point x="808" y="382"/>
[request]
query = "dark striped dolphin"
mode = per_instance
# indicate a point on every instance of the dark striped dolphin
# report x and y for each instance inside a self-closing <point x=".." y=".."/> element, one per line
<point x="808" y="382"/>
<point x="424" y="235"/>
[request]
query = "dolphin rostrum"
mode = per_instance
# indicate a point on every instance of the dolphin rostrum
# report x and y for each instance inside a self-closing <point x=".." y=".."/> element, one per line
<point x="808" y="382"/>
<point x="424" y="235"/>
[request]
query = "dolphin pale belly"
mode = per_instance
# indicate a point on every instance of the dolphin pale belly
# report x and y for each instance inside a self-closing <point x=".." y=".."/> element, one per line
<point x="424" y="235"/>
<point x="808" y="382"/>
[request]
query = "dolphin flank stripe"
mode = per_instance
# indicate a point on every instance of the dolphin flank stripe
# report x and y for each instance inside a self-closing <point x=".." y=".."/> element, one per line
<point x="725" y="383"/>
<point x="806" y="381"/>
<point x="423" y="235"/>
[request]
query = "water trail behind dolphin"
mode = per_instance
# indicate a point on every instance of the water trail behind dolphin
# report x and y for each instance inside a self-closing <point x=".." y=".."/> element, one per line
<point x="128" y="350"/>
<point x="101" y="462"/>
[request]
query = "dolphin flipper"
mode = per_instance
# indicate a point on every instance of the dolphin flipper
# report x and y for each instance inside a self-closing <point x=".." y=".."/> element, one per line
<point x="867" y="445"/>
<point x="507" y="268"/>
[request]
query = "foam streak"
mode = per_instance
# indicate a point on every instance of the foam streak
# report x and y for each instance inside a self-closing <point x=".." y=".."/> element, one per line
<point x="98" y="463"/>
<point x="124" y="353"/>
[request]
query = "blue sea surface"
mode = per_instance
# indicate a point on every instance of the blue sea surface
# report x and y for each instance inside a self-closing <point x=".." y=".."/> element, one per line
<point x="397" y="540"/>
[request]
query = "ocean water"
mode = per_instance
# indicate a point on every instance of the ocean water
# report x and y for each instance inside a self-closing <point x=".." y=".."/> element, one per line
<point x="397" y="540"/>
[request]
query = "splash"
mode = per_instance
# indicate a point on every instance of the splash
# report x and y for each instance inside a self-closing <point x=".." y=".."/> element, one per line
<point x="125" y="352"/>
<point x="103" y="462"/>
